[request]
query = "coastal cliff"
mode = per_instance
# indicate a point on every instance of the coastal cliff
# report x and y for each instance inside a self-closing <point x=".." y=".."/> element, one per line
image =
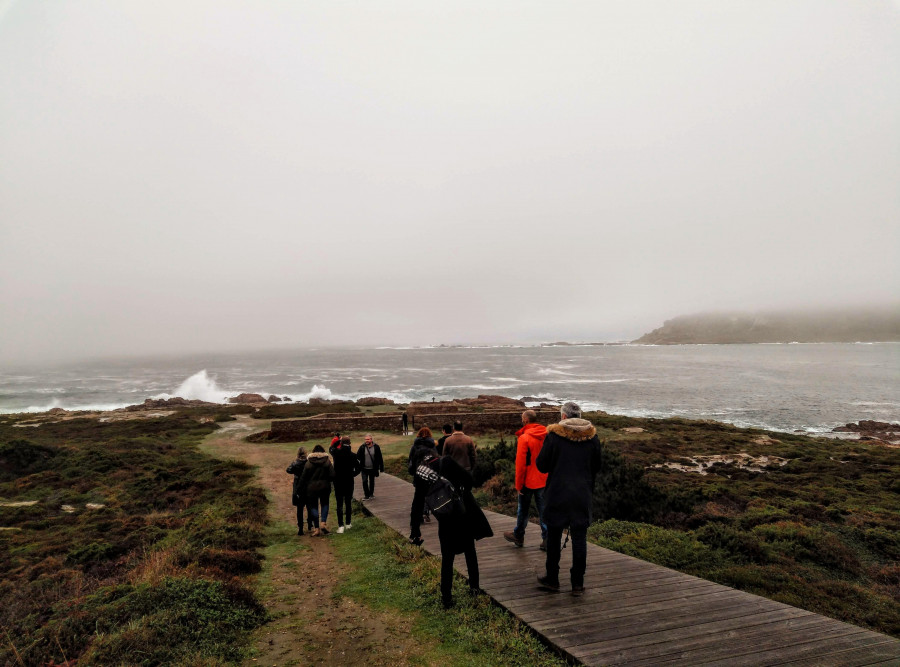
<point x="832" y="326"/>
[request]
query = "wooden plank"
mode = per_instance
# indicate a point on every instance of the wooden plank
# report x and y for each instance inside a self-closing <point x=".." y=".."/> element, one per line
<point x="679" y="606"/>
<point x="643" y="623"/>
<point x="816" y="647"/>
<point x="873" y="655"/>
<point x="638" y="613"/>
<point x="652" y="650"/>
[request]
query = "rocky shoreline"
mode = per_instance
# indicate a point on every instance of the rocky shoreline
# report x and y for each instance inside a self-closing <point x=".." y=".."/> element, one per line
<point x="887" y="433"/>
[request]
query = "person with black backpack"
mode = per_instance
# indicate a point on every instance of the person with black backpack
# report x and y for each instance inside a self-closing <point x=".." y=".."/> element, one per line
<point x="460" y="521"/>
<point x="422" y="451"/>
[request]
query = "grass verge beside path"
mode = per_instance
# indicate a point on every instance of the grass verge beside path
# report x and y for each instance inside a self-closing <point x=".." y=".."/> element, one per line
<point x="473" y="632"/>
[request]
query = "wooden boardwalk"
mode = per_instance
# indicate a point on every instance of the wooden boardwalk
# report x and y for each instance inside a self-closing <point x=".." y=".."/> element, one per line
<point x="637" y="613"/>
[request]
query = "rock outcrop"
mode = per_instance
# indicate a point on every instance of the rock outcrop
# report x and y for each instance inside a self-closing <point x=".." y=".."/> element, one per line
<point x="373" y="400"/>
<point x="248" y="398"/>
<point x="849" y="325"/>
<point x="166" y="403"/>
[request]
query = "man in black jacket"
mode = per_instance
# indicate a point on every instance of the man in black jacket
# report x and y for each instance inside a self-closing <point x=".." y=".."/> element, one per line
<point x="371" y="463"/>
<point x="571" y="456"/>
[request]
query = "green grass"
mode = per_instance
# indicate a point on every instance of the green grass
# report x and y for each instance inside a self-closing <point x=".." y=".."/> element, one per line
<point x="473" y="632"/>
<point x="141" y="579"/>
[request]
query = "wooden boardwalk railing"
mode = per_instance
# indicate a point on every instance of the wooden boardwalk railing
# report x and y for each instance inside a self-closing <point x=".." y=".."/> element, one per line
<point x="637" y="613"/>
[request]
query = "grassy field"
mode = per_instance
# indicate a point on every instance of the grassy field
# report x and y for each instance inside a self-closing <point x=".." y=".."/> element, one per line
<point x="123" y="544"/>
<point x="126" y="542"/>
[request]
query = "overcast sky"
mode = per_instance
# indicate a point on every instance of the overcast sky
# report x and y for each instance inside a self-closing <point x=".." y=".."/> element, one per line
<point x="184" y="176"/>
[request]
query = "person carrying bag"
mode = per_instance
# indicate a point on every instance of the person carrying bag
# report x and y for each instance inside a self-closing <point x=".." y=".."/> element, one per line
<point x="460" y="520"/>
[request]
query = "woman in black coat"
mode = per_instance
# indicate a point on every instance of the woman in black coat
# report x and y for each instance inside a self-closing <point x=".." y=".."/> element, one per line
<point x="346" y="468"/>
<point x="422" y="451"/>
<point x="317" y="476"/>
<point x="457" y="533"/>
<point x="298" y="496"/>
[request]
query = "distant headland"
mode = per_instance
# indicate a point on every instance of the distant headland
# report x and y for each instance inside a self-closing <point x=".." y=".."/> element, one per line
<point x="856" y="325"/>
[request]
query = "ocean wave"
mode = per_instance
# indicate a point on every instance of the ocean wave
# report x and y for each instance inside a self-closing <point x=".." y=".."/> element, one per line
<point x="72" y="407"/>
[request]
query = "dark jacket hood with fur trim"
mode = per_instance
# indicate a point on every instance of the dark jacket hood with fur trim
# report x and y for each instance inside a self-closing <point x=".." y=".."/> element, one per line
<point x="317" y="458"/>
<point x="574" y="429"/>
<point x="571" y="457"/>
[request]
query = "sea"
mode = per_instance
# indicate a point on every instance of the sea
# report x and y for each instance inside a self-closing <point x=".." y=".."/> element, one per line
<point x="783" y="387"/>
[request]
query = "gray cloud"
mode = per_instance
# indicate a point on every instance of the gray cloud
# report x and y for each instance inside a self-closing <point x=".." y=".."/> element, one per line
<point x="207" y="175"/>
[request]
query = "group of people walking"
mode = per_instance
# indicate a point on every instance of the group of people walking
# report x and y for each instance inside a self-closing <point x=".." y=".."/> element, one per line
<point x="314" y="474"/>
<point x="555" y="466"/>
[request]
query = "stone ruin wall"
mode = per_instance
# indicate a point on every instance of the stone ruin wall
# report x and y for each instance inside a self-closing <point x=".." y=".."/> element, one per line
<point x="295" y="430"/>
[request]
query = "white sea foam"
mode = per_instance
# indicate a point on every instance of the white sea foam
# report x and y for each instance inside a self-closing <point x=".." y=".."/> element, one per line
<point x="73" y="407"/>
<point x="201" y="387"/>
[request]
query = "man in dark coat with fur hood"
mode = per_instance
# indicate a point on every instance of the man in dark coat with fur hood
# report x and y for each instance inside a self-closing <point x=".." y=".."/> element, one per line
<point x="571" y="456"/>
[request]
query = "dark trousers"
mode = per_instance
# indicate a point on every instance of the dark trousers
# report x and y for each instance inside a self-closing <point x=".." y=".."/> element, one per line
<point x="579" y="553"/>
<point x="343" y="495"/>
<point x="300" y="508"/>
<point x="368" y="479"/>
<point x="447" y="557"/>
<point x="421" y="487"/>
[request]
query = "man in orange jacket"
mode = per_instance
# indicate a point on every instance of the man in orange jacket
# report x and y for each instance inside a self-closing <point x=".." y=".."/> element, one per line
<point x="529" y="480"/>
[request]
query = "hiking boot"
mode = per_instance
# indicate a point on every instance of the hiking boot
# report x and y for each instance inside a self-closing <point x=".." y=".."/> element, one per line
<point x="549" y="584"/>
<point x="340" y="530"/>
<point x="544" y="544"/>
<point x="315" y="533"/>
<point x="511" y="536"/>
<point x="427" y="518"/>
<point x="577" y="591"/>
<point x="324" y="529"/>
<point x="299" y="531"/>
<point x="417" y="541"/>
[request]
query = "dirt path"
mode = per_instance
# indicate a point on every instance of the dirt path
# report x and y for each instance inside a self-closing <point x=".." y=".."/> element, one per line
<point x="311" y="626"/>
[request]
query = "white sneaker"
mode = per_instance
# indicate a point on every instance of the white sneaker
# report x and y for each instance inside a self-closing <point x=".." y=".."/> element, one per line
<point x="348" y="526"/>
<point x="340" y="530"/>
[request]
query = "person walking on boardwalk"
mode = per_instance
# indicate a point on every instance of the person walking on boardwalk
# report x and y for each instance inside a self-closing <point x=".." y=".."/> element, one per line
<point x="460" y="447"/>
<point x="346" y="468"/>
<point x="317" y="476"/>
<point x="298" y="495"/>
<point x="422" y="451"/>
<point x="571" y="458"/>
<point x="457" y="533"/>
<point x="530" y="481"/>
<point x="370" y="463"/>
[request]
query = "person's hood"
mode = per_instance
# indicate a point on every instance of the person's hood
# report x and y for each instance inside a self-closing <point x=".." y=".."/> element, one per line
<point x="537" y="430"/>
<point x="318" y="458"/>
<point x="575" y="429"/>
<point x="301" y="460"/>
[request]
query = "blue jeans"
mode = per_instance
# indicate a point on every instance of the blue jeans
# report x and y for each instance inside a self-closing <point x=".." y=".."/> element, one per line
<point x="313" y="509"/>
<point x="525" y="507"/>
